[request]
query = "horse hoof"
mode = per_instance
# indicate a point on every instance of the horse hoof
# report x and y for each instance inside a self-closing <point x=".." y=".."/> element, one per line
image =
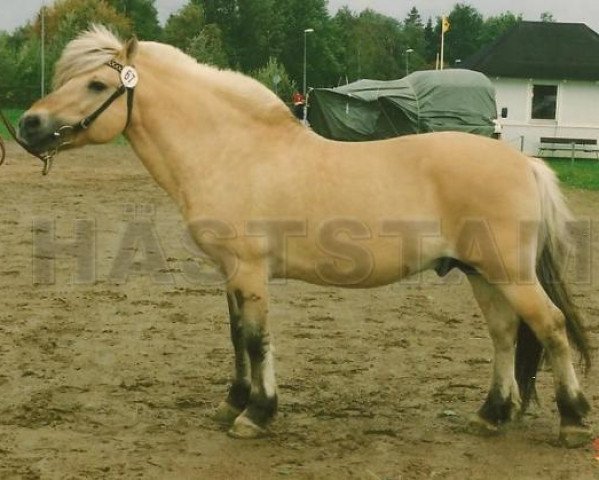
<point x="479" y="426"/>
<point x="575" y="436"/>
<point x="244" y="428"/>
<point x="226" y="414"/>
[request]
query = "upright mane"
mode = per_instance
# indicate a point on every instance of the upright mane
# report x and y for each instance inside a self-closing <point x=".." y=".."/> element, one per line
<point x="241" y="90"/>
<point x="88" y="51"/>
<point x="96" y="46"/>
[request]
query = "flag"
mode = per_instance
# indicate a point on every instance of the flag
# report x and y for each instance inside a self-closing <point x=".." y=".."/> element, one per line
<point x="445" y="24"/>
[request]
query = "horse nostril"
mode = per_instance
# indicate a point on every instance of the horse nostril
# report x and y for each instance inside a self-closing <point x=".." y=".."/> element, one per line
<point x="30" y="123"/>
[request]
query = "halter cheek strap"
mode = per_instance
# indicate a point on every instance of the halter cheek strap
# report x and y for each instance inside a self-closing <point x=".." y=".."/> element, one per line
<point x="128" y="81"/>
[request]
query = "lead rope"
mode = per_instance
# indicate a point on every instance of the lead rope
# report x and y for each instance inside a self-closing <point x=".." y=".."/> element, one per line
<point x="2" y="151"/>
<point x="45" y="158"/>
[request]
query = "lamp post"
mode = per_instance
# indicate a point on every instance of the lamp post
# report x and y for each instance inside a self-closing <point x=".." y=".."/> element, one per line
<point x="306" y="32"/>
<point x="43" y="50"/>
<point x="407" y="54"/>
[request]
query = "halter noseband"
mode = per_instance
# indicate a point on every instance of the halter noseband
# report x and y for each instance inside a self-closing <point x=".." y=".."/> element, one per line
<point x="129" y="78"/>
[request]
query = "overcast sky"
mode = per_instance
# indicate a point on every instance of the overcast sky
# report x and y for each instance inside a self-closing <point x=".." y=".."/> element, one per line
<point x="14" y="13"/>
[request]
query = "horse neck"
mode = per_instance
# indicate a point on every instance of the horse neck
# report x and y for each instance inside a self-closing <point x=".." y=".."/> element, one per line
<point x="185" y="136"/>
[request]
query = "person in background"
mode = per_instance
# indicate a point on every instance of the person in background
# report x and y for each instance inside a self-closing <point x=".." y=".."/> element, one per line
<point x="298" y="104"/>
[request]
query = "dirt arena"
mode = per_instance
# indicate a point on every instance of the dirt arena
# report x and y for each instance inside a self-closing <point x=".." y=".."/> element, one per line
<point x="106" y="375"/>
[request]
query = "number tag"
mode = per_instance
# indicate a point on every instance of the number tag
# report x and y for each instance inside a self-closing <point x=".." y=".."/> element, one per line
<point x="129" y="76"/>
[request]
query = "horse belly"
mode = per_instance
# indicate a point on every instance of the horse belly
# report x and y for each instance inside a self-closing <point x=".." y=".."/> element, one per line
<point x="357" y="264"/>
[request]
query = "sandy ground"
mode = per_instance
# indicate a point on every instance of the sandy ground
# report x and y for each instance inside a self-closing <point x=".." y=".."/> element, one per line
<point x="103" y="377"/>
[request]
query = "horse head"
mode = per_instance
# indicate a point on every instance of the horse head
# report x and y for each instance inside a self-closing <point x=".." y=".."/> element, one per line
<point x="87" y="104"/>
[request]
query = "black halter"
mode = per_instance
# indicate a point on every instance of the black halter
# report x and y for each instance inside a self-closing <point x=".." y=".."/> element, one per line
<point x="84" y="124"/>
<point x="63" y="133"/>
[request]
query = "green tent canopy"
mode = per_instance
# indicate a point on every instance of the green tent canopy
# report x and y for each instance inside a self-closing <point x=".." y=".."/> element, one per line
<point x="426" y="101"/>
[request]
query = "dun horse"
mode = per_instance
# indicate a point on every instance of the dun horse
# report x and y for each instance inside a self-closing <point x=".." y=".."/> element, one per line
<point x="267" y="198"/>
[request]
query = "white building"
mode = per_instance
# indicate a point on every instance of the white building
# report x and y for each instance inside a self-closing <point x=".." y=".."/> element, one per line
<point x="546" y="77"/>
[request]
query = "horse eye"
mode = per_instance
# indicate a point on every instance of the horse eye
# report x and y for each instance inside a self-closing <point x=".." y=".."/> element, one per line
<point x="96" y="86"/>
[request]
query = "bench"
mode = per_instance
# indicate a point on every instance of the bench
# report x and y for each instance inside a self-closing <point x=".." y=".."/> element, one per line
<point x="572" y="145"/>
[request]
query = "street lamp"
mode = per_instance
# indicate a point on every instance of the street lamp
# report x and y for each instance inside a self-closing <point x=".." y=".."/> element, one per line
<point x="407" y="54"/>
<point x="306" y="32"/>
<point x="43" y="49"/>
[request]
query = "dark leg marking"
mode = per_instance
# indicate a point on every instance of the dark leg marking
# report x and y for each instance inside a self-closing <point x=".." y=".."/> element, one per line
<point x="239" y="393"/>
<point x="261" y="408"/>
<point x="496" y="409"/>
<point x="572" y="410"/>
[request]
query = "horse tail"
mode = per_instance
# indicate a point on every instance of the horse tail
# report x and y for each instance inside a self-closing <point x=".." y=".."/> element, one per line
<point x="554" y="243"/>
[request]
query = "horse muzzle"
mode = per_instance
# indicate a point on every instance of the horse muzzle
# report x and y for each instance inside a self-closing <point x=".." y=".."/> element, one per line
<point x="37" y="131"/>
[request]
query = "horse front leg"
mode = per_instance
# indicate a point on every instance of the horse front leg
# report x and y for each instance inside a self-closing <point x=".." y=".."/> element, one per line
<point x="254" y="393"/>
<point x="239" y="392"/>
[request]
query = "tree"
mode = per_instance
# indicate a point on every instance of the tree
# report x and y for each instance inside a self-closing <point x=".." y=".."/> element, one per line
<point x="259" y="35"/>
<point x="547" y="17"/>
<point x="344" y="24"/>
<point x="143" y="16"/>
<point x="413" y="19"/>
<point x="225" y="14"/>
<point x="9" y="79"/>
<point x="414" y="38"/>
<point x="381" y="46"/>
<point x="374" y="45"/>
<point x="462" y="40"/>
<point x="431" y="42"/>
<point x="274" y="76"/>
<point x="207" y="47"/>
<point x="184" y="25"/>
<point x="495" y="26"/>
<point x="323" y="49"/>
<point x="65" y="19"/>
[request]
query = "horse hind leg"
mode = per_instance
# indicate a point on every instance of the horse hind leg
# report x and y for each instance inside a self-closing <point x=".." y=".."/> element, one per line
<point x="503" y="401"/>
<point x="548" y="323"/>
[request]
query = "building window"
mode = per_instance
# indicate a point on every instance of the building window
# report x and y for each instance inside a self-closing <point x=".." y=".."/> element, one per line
<point x="544" y="102"/>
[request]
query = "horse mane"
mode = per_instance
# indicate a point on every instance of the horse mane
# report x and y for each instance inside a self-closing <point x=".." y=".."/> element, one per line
<point x="96" y="46"/>
<point x="240" y="90"/>
<point x="88" y="51"/>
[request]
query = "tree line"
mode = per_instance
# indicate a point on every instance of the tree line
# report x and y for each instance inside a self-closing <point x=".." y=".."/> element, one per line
<point x="263" y="38"/>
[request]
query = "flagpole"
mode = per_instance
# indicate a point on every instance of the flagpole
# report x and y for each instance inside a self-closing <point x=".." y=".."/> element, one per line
<point x="444" y="28"/>
<point x="442" y="61"/>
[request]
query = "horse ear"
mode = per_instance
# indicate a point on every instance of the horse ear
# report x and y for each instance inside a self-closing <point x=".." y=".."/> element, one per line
<point x="131" y="49"/>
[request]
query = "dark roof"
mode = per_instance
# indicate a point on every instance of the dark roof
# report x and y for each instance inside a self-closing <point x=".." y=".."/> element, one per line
<point x="541" y="50"/>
